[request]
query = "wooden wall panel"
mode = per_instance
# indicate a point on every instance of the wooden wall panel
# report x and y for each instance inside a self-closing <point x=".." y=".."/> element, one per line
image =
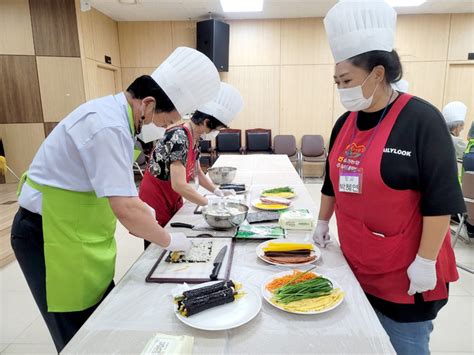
<point x="460" y="87"/>
<point x="130" y="74"/>
<point x="48" y="127"/>
<point x="91" y="85"/>
<point x="20" y="95"/>
<point x="21" y="141"/>
<point x="422" y="37"/>
<point x="183" y="34"/>
<point x="86" y="31"/>
<point x="461" y="38"/>
<point x="304" y="41"/>
<point x="306" y="96"/>
<point x="102" y="79"/>
<point x="55" y="28"/>
<point x="15" y="28"/>
<point x="254" y="42"/>
<point x="426" y="80"/>
<point x="61" y="95"/>
<point x="259" y="87"/>
<point x="144" y="44"/>
<point x="106" y="40"/>
<point x="299" y="47"/>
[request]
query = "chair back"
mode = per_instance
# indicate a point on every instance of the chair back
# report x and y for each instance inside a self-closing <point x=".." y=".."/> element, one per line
<point x="468" y="184"/>
<point x="205" y="146"/>
<point x="229" y="141"/>
<point x="258" y="140"/>
<point x="285" y="144"/>
<point x="312" y="145"/>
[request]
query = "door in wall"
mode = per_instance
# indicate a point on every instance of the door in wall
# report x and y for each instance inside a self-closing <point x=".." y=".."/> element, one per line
<point x="105" y="82"/>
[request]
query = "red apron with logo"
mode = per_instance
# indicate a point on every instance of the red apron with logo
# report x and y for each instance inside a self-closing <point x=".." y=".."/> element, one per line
<point x="160" y="195"/>
<point x="380" y="229"/>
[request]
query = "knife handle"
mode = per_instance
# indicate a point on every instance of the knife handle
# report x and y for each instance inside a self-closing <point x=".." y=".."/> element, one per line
<point x="215" y="271"/>
<point x="181" y="225"/>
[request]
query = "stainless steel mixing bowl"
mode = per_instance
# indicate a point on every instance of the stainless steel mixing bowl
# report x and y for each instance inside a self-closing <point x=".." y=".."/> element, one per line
<point x="222" y="174"/>
<point x="225" y="215"/>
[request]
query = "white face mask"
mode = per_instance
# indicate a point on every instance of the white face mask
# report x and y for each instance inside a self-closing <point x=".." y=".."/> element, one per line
<point x="209" y="136"/>
<point x="151" y="132"/>
<point x="353" y="98"/>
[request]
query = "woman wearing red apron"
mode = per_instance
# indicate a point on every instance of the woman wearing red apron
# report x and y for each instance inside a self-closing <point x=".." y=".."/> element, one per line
<point x="391" y="179"/>
<point x="175" y="160"/>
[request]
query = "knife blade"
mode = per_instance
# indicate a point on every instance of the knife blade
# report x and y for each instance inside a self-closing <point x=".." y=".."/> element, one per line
<point x="218" y="263"/>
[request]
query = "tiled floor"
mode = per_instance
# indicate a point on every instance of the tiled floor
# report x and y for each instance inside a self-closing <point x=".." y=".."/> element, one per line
<point x="22" y="330"/>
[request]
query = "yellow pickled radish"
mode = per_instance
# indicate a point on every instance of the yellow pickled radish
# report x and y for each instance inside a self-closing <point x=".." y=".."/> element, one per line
<point x="288" y="246"/>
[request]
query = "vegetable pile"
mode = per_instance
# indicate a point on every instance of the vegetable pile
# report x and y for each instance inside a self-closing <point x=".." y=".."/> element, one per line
<point x="291" y="279"/>
<point x="316" y="287"/>
<point x="278" y="190"/>
<point x="284" y="192"/>
<point x="304" y="292"/>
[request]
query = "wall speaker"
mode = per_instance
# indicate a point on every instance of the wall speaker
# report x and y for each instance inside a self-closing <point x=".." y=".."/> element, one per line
<point x="213" y="41"/>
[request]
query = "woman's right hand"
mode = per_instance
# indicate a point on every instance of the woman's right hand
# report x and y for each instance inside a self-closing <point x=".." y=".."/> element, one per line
<point x="178" y="242"/>
<point x="321" y="235"/>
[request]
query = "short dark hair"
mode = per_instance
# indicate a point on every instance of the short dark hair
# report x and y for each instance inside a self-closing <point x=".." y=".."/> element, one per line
<point x="144" y="86"/>
<point x="389" y="60"/>
<point x="213" y="123"/>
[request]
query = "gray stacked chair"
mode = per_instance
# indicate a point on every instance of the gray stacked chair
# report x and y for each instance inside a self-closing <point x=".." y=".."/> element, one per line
<point x="313" y="151"/>
<point x="286" y="144"/>
<point x="468" y="193"/>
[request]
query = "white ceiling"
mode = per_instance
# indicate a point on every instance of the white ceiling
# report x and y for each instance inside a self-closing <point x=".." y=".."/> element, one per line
<point x="159" y="10"/>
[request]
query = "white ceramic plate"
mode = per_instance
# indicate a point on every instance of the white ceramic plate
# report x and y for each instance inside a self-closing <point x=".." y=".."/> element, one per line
<point x="267" y="295"/>
<point x="256" y="201"/>
<point x="261" y="253"/>
<point x="227" y="316"/>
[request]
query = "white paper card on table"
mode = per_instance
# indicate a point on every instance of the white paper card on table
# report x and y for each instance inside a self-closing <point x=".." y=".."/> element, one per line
<point x="164" y="344"/>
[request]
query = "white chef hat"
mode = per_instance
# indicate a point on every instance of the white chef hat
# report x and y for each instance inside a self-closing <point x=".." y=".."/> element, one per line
<point x="454" y="112"/>
<point x="358" y="26"/>
<point x="225" y="106"/>
<point x="401" y="85"/>
<point x="188" y="78"/>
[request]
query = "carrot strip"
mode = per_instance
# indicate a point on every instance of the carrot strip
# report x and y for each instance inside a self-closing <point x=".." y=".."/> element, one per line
<point x="290" y="279"/>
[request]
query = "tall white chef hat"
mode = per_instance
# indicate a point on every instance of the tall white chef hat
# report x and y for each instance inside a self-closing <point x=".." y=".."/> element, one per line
<point x="358" y="26"/>
<point x="225" y="106"/>
<point x="455" y="111"/>
<point x="401" y="85"/>
<point x="188" y="78"/>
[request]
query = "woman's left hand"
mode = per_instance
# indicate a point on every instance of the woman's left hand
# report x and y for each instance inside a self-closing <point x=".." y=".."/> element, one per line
<point x="422" y="275"/>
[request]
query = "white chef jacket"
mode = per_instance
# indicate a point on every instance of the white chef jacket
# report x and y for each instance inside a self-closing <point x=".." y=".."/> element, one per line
<point x="460" y="146"/>
<point x="89" y="150"/>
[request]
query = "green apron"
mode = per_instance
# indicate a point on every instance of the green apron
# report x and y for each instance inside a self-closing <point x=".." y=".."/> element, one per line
<point x="469" y="148"/>
<point x="79" y="244"/>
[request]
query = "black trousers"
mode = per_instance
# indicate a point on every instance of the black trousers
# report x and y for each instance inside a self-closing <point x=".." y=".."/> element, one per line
<point x="28" y="245"/>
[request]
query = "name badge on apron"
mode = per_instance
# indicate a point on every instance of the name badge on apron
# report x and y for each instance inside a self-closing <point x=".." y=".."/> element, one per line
<point x="350" y="181"/>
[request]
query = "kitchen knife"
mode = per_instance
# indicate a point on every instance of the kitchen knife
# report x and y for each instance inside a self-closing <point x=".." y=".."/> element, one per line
<point x="218" y="263"/>
<point x="190" y="226"/>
